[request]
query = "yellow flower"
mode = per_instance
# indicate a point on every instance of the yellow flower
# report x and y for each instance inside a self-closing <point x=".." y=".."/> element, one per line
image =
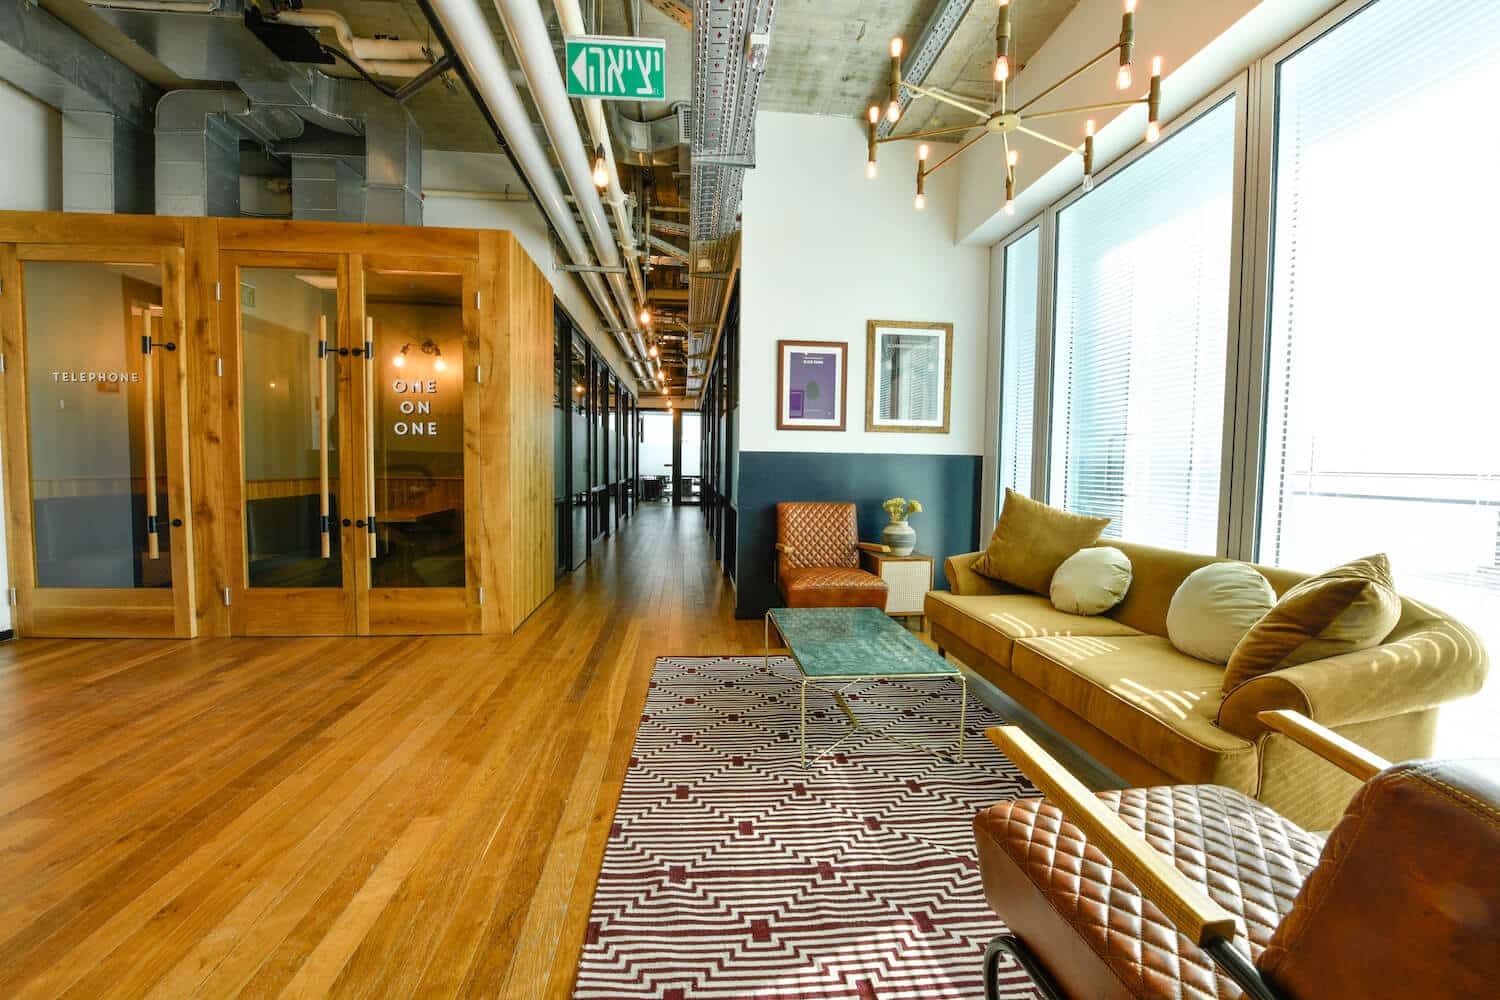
<point x="914" y="507"/>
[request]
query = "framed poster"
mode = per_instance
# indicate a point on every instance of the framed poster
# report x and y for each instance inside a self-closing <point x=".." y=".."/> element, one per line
<point x="908" y="377"/>
<point x="812" y="380"/>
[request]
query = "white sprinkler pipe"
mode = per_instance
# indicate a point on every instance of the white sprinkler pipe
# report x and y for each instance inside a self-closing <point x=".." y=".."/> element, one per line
<point x="533" y="45"/>
<point x="470" y="35"/>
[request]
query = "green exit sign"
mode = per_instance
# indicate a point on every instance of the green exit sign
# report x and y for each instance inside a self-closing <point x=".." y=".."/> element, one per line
<point x="617" y="69"/>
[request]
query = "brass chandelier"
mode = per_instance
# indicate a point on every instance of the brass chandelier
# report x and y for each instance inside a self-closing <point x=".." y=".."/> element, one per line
<point x="1002" y="119"/>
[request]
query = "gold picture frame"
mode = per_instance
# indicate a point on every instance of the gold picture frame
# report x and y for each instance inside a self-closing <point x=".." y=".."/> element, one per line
<point x="895" y="401"/>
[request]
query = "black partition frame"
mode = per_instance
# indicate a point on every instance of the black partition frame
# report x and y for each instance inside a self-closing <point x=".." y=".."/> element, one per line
<point x="593" y="484"/>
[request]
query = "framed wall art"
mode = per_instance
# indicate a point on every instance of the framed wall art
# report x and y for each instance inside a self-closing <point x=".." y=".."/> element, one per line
<point x="908" y="377"/>
<point x="812" y="382"/>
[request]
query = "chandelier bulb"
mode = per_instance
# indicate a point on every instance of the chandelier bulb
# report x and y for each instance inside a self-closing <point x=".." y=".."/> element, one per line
<point x="645" y="316"/>
<point x="1130" y="6"/>
<point x="1088" y="183"/>
<point x="922" y="152"/>
<point x="1010" y="206"/>
<point x="893" y="112"/>
<point x="1013" y="157"/>
<point x="920" y="203"/>
<point x="870" y="170"/>
<point x="874" y="114"/>
<point x="1123" y="80"/>
<point x="1002" y="68"/>
<point x="896" y="46"/>
<point x="1153" y="132"/>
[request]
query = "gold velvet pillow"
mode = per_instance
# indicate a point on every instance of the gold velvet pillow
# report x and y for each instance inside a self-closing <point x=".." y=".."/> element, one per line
<point x="1344" y="610"/>
<point x="1032" y="540"/>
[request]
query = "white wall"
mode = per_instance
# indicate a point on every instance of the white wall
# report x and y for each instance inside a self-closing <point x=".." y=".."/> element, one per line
<point x="824" y="250"/>
<point x="492" y="172"/>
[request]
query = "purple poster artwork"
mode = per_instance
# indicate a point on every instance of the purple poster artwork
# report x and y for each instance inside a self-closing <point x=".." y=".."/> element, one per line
<point x="811" y="386"/>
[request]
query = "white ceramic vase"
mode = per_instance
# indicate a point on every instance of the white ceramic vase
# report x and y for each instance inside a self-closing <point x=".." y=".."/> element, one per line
<point x="900" y="537"/>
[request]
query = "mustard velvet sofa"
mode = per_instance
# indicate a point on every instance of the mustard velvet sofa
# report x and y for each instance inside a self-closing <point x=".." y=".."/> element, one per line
<point x="1115" y="686"/>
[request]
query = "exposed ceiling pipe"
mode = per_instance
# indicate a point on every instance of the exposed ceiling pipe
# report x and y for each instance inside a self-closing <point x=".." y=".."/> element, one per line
<point x="570" y="16"/>
<point x="533" y="45"/>
<point x="380" y="56"/>
<point x="469" y="33"/>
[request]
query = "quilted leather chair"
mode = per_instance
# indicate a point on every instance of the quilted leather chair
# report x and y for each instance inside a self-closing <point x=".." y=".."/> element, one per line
<point x="817" y="558"/>
<point x="1402" y="901"/>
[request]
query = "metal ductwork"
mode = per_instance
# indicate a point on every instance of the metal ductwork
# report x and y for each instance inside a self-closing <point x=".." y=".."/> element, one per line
<point x="106" y="109"/>
<point x="294" y="112"/>
<point x="469" y="34"/>
<point x="661" y="142"/>
<point x="533" y="45"/>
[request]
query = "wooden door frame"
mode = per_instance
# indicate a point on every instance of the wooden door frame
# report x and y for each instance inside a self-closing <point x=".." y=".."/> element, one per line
<point x="284" y="610"/>
<point x="428" y="610"/>
<point x="89" y="611"/>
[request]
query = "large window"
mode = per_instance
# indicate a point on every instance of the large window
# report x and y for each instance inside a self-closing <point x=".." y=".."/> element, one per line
<point x="1018" y="362"/>
<point x="1140" y="340"/>
<point x="1383" y="347"/>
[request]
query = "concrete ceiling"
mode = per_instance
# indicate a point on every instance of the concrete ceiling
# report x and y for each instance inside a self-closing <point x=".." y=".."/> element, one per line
<point x="831" y="57"/>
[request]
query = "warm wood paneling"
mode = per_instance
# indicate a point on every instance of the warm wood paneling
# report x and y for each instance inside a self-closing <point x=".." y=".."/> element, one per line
<point x="508" y="426"/>
<point x="530" y="333"/>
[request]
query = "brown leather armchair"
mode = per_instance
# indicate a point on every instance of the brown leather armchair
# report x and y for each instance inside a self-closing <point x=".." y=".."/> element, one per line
<point x="817" y="558"/>
<point x="1198" y="891"/>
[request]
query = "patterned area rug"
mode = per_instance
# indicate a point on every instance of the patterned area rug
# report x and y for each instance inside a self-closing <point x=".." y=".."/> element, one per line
<point x="731" y="872"/>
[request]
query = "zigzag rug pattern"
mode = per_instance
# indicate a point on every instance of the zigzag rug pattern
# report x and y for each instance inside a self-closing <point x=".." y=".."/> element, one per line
<point x="732" y="872"/>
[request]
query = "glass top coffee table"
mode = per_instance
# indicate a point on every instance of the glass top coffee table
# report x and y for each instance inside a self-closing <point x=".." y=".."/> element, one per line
<point x="836" y="648"/>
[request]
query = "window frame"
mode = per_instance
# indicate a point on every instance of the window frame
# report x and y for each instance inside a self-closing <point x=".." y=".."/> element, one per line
<point x="992" y="494"/>
<point x="1238" y="91"/>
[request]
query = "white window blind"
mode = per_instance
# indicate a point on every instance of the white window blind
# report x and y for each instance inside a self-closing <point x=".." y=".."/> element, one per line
<point x="1018" y="362"/>
<point x="1384" y="346"/>
<point x="1140" y="342"/>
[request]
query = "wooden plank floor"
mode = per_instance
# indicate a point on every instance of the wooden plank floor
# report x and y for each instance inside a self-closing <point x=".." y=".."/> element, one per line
<point x="336" y="817"/>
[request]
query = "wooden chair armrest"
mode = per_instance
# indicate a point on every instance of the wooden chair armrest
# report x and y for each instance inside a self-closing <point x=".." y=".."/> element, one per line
<point x="783" y="547"/>
<point x="873" y="547"/>
<point x="1324" y="742"/>
<point x="1189" y="908"/>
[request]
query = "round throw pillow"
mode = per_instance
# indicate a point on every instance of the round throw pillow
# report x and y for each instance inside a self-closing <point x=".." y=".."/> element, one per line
<point x="1214" y="608"/>
<point x="1091" y="581"/>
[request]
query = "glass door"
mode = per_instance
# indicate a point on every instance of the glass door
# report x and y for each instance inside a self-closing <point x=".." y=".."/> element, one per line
<point x="290" y="362"/>
<point x="422" y="416"/>
<point x="95" y="415"/>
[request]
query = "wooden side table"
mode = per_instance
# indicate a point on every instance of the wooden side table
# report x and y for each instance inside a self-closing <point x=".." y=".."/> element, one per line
<point x="909" y="579"/>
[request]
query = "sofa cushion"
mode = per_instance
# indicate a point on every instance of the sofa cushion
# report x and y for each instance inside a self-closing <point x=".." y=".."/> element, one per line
<point x="1348" y="609"/>
<point x="1091" y="581"/>
<point x="992" y="622"/>
<point x="1031" y="540"/>
<point x="1147" y="696"/>
<point x="1215" y="607"/>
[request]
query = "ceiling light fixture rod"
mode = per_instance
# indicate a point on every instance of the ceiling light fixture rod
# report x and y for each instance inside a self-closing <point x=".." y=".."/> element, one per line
<point x="939" y="95"/>
<point x="1085" y="109"/>
<point x="926" y="134"/>
<point x="1047" y="138"/>
<point x="1072" y="76"/>
<point x="934" y="168"/>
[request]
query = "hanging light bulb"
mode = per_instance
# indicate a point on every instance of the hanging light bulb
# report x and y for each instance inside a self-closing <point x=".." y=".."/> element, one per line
<point x="1012" y="158"/>
<point x="1088" y="156"/>
<point x="652" y="352"/>
<point x="601" y="173"/>
<point x="1153" y="102"/>
<point x="399" y="360"/>
<point x="439" y="365"/>
<point x="870" y="170"/>
<point x="1127" y="46"/>
<point x="645" y="316"/>
<point x="1002" y="43"/>
<point x="920" y="202"/>
<point x="893" y="104"/>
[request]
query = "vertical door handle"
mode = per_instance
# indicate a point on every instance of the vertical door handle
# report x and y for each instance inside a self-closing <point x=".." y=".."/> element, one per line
<point x="148" y="389"/>
<point x="325" y="542"/>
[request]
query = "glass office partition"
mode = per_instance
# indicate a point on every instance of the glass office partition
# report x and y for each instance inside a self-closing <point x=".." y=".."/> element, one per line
<point x="289" y="331"/>
<point x="97" y="424"/>
<point x="415" y="322"/>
